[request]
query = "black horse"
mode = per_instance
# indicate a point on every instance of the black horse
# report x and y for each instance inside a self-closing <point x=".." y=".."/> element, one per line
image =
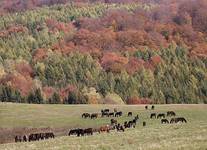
<point x="111" y="114"/>
<point x="85" y="115"/>
<point x="129" y="114"/>
<point x="164" y="121"/>
<point x="118" y="114"/>
<point x="153" y="115"/>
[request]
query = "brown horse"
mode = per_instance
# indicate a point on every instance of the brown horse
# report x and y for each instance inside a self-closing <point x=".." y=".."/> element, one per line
<point x="94" y="116"/>
<point x="104" y="129"/>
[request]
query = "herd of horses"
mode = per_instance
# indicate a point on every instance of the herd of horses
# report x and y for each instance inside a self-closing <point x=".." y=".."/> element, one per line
<point x="112" y="125"/>
<point x="34" y="137"/>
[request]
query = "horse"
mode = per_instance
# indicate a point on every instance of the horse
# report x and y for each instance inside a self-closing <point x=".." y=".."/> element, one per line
<point x="144" y="124"/>
<point x="119" y="128"/>
<point x="94" y="116"/>
<point x="161" y="116"/>
<point x="129" y="114"/>
<point x="153" y="107"/>
<point x="181" y="119"/>
<point x="118" y="114"/>
<point x="129" y="124"/>
<point x="104" y="114"/>
<point x="171" y="113"/>
<point x="18" y="138"/>
<point x="24" y="138"/>
<point x="146" y="107"/>
<point x="49" y="135"/>
<point x="111" y="114"/>
<point x="153" y="115"/>
<point x="164" y="121"/>
<point x="177" y="120"/>
<point x="104" y="129"/>
<point x="85" y="115"/>
<point x="88" y="131"/>
<point x="72" y="132"/>
<point x="113" y="121"/>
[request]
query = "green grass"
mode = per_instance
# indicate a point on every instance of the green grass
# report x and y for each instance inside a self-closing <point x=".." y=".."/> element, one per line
<point x="192" y="135"/>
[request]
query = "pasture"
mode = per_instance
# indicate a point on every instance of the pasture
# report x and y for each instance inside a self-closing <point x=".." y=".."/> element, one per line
<point x="21" y="118"/>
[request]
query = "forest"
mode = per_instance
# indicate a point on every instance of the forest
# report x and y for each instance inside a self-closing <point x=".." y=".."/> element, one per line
<point x="103" y="51"/>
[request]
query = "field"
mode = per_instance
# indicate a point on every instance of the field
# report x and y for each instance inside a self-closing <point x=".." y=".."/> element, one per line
<point x="20" y="118"/>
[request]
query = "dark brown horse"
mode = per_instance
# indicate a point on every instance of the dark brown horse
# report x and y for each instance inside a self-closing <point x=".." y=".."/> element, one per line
<point x="88" y="131"/>
<point x="171" y="113"/>
<point x="94" y="116"/>
<point x="161" y="116"/>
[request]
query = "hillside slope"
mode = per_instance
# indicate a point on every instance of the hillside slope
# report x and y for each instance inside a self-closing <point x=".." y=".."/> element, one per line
<point x="143" y="52"/>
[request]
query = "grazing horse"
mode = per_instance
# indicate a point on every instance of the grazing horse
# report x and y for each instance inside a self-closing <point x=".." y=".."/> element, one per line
<point x="129" y="124"/>
<point x="49" y="135"/>
<point x="24" y="138"/>
<point x="164" y="121"/>
<point x="80" y="132"/>
<point x="160" y="116"/>
<point x="111" y="114"/>
<point x="129" y="114"/>
<point x="85" y="115"/>
<point x="171" y="113"/>
<point x="18" y="138"/>
<point x="144" y="124"/>
<point x="88" y="131"/>
<point x="72" y="132"/>
<point x="104" y="129"/>
<point x="153" y="115"/>
<point x="172" y="120"/>
<point x="113" y="121"/>
<point x="118" y="114"/>
<point x="181" y="119"/>
<point x="177" y="120"/>
<point x="32" y="137"/>
<point x="146" y="107"/>
<point x="119" y="128"/>
<point x="94" y="116"/>
<point x="153" y="107"/>
<point x="104" y="114"/>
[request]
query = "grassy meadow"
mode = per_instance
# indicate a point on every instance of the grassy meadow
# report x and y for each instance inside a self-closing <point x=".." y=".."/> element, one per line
<point x="155" y="136"/>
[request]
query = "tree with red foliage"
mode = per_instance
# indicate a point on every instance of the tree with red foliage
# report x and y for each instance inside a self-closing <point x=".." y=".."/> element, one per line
<point x="113" y="62"/>
<point x="137" y="100"/>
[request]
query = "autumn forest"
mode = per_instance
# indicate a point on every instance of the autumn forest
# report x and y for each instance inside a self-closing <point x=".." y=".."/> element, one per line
<point x="103" y="51"/>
